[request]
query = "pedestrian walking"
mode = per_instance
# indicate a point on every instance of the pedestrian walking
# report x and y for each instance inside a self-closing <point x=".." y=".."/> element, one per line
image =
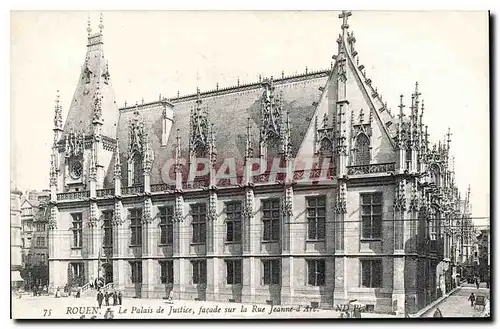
<point x="437" y="313"/>
<point x="100" y="297"/>
<point x="119" y="297"/>
<point x="472" y="299"/>
<point x="58" y="293"/>
<point x="477" y="282"/>
<point x="106" y="298"/>
<point x="115" y="298"/>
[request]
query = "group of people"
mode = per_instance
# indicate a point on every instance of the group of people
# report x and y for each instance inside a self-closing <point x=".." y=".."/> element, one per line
<point x="106" y="295"/>
<point x="97" y="283"/>
<point x="39" y="290"/>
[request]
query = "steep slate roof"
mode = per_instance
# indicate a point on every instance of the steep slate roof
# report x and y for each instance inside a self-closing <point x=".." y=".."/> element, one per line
<point x="228" y="110"/>
<point x="80" y="114"/>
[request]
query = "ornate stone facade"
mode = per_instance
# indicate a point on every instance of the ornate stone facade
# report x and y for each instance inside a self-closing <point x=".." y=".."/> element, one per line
<point x="381" y="203"/>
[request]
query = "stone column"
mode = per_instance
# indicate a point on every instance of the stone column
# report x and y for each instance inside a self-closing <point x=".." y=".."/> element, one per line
<point x="340" y="286"/>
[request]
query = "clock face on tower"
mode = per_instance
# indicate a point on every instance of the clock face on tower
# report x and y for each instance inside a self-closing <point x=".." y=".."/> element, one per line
<point x="76" y="169"/>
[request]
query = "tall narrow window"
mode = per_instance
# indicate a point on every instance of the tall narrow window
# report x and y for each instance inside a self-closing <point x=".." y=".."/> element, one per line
<point x="316" y="212"/>
<point x="371" y="273"/>
<point x="108" y="229"/>
<point x="408" y="158"/>
<point x="371" y="215"/>
<point x="271" y="219"/>
<point x="199" y="271"/>
<point x="136" y="271"/>
<point x="136" y="227"/>
<point x="166" y="271"/>
<point x="199" y="213"/>
<point x="138" y="176"/>
<point x="233" y="221"/>
<point x="362" y="150"/>
<point x="272" y="271"/>
<point x="316" y="272"/>
<point x="167" y="225"/>
<point x="233" y="271"/>
<point x="77" y="230"/>
<point x="77" y="269"/>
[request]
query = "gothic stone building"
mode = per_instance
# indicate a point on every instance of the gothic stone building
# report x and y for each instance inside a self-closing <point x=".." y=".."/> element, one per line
<point x="370" y="224"/>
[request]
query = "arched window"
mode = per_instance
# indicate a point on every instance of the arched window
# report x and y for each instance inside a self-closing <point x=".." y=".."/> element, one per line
<point x="362" y="150"/>
<point x="434" y="174"/>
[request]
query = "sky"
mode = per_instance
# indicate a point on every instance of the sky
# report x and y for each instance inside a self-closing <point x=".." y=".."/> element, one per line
<point x="152" y="53"/>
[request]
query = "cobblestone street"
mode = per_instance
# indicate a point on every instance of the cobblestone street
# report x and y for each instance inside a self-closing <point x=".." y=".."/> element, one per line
<point x="457" y="305"/>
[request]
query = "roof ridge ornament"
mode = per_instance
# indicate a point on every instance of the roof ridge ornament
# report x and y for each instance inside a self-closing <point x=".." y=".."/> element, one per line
<point x="345" y="26"/>
<point x="89" y="29"/>
<point x="58" y="122"/>
<point x="199" y="134"/>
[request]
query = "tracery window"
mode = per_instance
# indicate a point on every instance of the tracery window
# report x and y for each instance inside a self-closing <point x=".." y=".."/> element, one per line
<point x="362" y="150"/>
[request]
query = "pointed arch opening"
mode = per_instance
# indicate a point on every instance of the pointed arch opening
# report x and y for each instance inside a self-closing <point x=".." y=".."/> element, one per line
<point x="434" y="174"/>
<point x="135" y="169"/>
<point x="362" y="150"/>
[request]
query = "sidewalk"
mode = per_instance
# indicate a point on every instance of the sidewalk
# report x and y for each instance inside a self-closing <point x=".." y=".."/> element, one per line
<point x="457" y="305"/>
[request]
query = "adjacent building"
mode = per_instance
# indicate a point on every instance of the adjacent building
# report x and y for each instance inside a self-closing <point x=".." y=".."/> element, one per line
<point x="15" y="239"/>
<point x="370" y="217"/>
<point x="34" y="238"/>
<point x="483" y="246"/>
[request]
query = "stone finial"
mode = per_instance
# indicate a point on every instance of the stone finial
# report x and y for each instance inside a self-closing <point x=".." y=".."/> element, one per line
<point x="344" y="16"/>
<point x="89" y="29"/>
<point x="101" y="26"/>
<point x="57" y="113"/>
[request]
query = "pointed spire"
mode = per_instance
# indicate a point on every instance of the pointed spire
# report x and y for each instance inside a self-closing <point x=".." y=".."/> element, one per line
<point x="97" y="103"/>
<point x="417" y="98"/>
<point x="401" y="107"/>
<point x="117" y="166"/>
<point x="426" y="138"/>
<point x="93" y="164"/>
<point x="53" y="171"/>
<point x="421" y="123"/>
<point x="58" y="122"/>
<point x="344" y="16"/>
<point x="89" y="29"/>
<point x="448" y="139"/>
<point x="212" y="147"/>
<point x="198" y="99"/>
<point x="248" y="146"/>
<point x="101" y="26"/>
<point x="148" y="156"/>
<point x="400" y="123"/>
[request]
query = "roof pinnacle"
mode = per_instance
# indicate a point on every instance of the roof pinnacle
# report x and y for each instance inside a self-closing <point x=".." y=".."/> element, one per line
<point x="344" y="15"/>
<point x="89" y="29"/>
<point x="101" y="26"/>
